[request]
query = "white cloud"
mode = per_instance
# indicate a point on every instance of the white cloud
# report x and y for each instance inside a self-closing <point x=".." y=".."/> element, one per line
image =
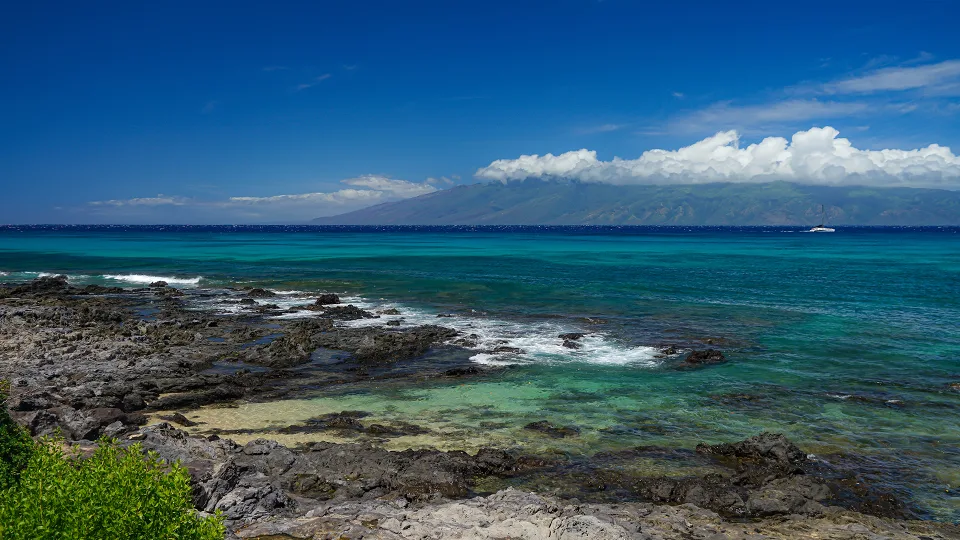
<point x="316" y="81"/>
<point x="159" y="200"/>
<point x="815" y="156"/>
<point x="750" y="117"/>
<point x="363" y="191"/>
<point x="397" y="188"/>
<point x="899" y="78"/>
<point x="603" y="128"/>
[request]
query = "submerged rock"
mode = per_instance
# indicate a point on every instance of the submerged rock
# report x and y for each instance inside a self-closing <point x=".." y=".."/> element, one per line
<point x="178" y="418"/>
<point x="706" y="357"/>
<point x="557" y="432"/>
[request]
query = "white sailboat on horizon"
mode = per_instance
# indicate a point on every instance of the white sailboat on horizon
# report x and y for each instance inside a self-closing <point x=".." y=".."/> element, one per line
<point x="823" y="220"/>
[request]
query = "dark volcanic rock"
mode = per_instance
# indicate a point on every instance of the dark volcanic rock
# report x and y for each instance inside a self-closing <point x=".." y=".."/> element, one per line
<point x="260" y="293"/>
<point x="572" y="336"/>
<point x="760" y="458"/>
<point x="248" y="302"/>
<point x="464" y="371"/>
<point x="346" y="420"/>
<point x="769" y="479"/>
<point x="179" y="418"/>
<point x="571" y="344"/>
<point x="709" y="356"/>
<point x="47" y="285"/>
<point x="327" y="299"/>
<point x="395" y="346"/>
<point x="348" y="313"/>
<point x="158" y="284"/>
<point x="557" y="432"/>
<point x="251" y="481"/>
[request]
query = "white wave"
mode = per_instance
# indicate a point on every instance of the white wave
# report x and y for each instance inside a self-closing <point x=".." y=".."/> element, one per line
<point x="538" y="341"/>
<point x="143" y="278"/>
<point x="495" y="341"/>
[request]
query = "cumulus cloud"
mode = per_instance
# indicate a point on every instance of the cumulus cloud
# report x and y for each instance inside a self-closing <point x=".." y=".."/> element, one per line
<point x="815" y="156"/>
<point x="361" y="192"/>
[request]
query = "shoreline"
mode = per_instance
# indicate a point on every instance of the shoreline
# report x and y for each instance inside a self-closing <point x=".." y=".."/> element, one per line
<point x="94" y="363"/>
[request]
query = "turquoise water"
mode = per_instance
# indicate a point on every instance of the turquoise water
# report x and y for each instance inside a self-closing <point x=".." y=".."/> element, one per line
<point x="845" y="341"/>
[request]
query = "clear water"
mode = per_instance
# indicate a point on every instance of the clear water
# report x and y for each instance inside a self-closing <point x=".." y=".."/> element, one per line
<point x="847" y="341"/>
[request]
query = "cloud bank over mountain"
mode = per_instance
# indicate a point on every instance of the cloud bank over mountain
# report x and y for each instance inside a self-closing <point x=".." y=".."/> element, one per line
<point x="817" y="156"/>
<point x="360" y="192"/>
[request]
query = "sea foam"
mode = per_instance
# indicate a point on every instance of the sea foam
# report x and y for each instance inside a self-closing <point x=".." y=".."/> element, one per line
<point x="144" y="278"/>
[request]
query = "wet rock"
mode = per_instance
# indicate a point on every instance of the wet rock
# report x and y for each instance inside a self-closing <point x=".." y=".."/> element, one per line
<point x="248" y="302"/>
<point x="503" y="349"/>
<point x="178" y="418"/>
<point x="396" y="346"/>
<point x="348" y="313"/>
<point x="571" y="336"/>
<point x="44" y="286"/>
<point x="557" y="432"/>
<point x="394" y="323"/>
<point x="396" y="429"/>
<point x="345" y="420"/>
<point x="327" y="299"/>
<point x="260" y="293"/>
<point x="705" y="357"/>
<point x="465" y="371"/>
<point x="158" y="284"/>
<point x="445" y="315"/>
<point x="390" y="311"/>
<point x="571" y="344"/>
<point x="760" y="458"/>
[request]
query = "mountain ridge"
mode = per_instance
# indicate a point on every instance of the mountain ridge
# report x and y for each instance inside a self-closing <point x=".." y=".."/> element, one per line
<point x="542" y="202"/>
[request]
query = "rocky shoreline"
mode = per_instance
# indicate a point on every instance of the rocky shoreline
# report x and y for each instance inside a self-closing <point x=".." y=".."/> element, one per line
<point x="97" y="361"/>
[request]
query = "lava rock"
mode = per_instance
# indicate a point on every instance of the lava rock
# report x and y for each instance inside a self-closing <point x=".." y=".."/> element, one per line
<point x="260" y="293"/>
<point x="557" y="432"/>
<point x="327" y="299"/>
<point x="706" y="357"/>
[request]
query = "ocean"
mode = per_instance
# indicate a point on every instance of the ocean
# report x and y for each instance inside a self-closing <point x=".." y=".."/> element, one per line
<point x="846" y="342"/>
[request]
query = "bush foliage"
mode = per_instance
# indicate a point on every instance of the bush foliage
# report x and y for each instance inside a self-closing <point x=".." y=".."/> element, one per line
<point x="115" y="493"/>
<point x="16" y="446"/>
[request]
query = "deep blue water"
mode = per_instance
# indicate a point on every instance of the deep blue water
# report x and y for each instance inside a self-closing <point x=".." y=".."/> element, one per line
<point x="847" y="341"/>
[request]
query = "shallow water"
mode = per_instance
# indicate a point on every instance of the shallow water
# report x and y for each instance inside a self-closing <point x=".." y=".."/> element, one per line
<point x="844" y="342"/>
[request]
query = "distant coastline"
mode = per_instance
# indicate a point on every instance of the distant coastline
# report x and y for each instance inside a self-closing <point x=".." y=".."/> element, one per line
<point x="538" y="202"/>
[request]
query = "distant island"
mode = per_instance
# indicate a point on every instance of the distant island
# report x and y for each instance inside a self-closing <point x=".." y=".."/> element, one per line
<point x="540" y="202"/>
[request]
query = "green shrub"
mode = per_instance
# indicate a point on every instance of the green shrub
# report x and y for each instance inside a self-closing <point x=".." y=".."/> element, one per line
<point x="16" y="446"/>
<point x="117" y="493"/>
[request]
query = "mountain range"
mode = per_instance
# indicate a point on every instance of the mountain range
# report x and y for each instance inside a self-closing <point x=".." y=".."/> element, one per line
<point x="550" y="202"/>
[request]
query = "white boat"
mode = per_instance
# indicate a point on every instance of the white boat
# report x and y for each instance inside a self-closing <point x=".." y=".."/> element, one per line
<point x="821" y="227"/>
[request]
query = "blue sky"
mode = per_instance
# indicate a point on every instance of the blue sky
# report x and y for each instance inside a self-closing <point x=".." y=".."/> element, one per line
<point x="249" y="112"/>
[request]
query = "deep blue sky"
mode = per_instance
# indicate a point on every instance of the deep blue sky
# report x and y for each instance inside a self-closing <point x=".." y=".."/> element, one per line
<point x="201" y="101"/>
